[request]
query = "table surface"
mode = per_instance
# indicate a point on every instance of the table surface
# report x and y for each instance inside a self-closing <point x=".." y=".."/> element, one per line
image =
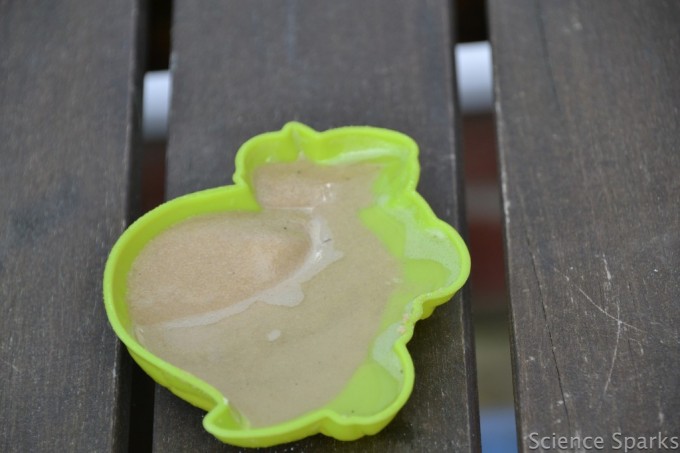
<point x="69" y="79"/>
<point x="588" y="119"/>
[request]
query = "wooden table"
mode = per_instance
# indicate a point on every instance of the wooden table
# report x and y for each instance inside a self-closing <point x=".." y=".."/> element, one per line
<point x="588" y="117"/>
<point x="588" y="120"/>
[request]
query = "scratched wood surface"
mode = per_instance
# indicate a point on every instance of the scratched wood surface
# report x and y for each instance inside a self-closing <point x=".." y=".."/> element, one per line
<point x="589" y="133"/>
<point x="245" y="67"/>
<point x="67" y="77"/>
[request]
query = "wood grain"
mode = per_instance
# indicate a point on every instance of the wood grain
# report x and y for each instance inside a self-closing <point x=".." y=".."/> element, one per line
<point x="587" y="98"/>
<point x="245" y="67"/>
<point x="68" y="75"/>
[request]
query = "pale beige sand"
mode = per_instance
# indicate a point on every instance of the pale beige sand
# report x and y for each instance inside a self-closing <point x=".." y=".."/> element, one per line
<point x="276" y="309"/>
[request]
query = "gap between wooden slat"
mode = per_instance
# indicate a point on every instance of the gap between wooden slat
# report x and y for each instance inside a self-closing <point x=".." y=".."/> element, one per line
<point x="148" y="181"/>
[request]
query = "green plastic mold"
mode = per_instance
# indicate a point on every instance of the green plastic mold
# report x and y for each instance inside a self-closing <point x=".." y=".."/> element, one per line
<point x="430" y="250"/>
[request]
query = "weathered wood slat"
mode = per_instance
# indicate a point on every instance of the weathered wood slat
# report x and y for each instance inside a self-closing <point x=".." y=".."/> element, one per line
<point x="589" y="133"/>
<point x="67" y="98"/>
<point x="245" y="67"/>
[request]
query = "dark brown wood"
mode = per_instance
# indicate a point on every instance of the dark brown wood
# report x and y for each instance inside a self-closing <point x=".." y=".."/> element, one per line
<point x="68" y="75"/>
<point x="587" y="98"/>
<point x="245" y="67"/>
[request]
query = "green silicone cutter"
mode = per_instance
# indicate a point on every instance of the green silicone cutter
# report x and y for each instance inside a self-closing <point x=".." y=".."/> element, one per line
<point x="401" y="219"/>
